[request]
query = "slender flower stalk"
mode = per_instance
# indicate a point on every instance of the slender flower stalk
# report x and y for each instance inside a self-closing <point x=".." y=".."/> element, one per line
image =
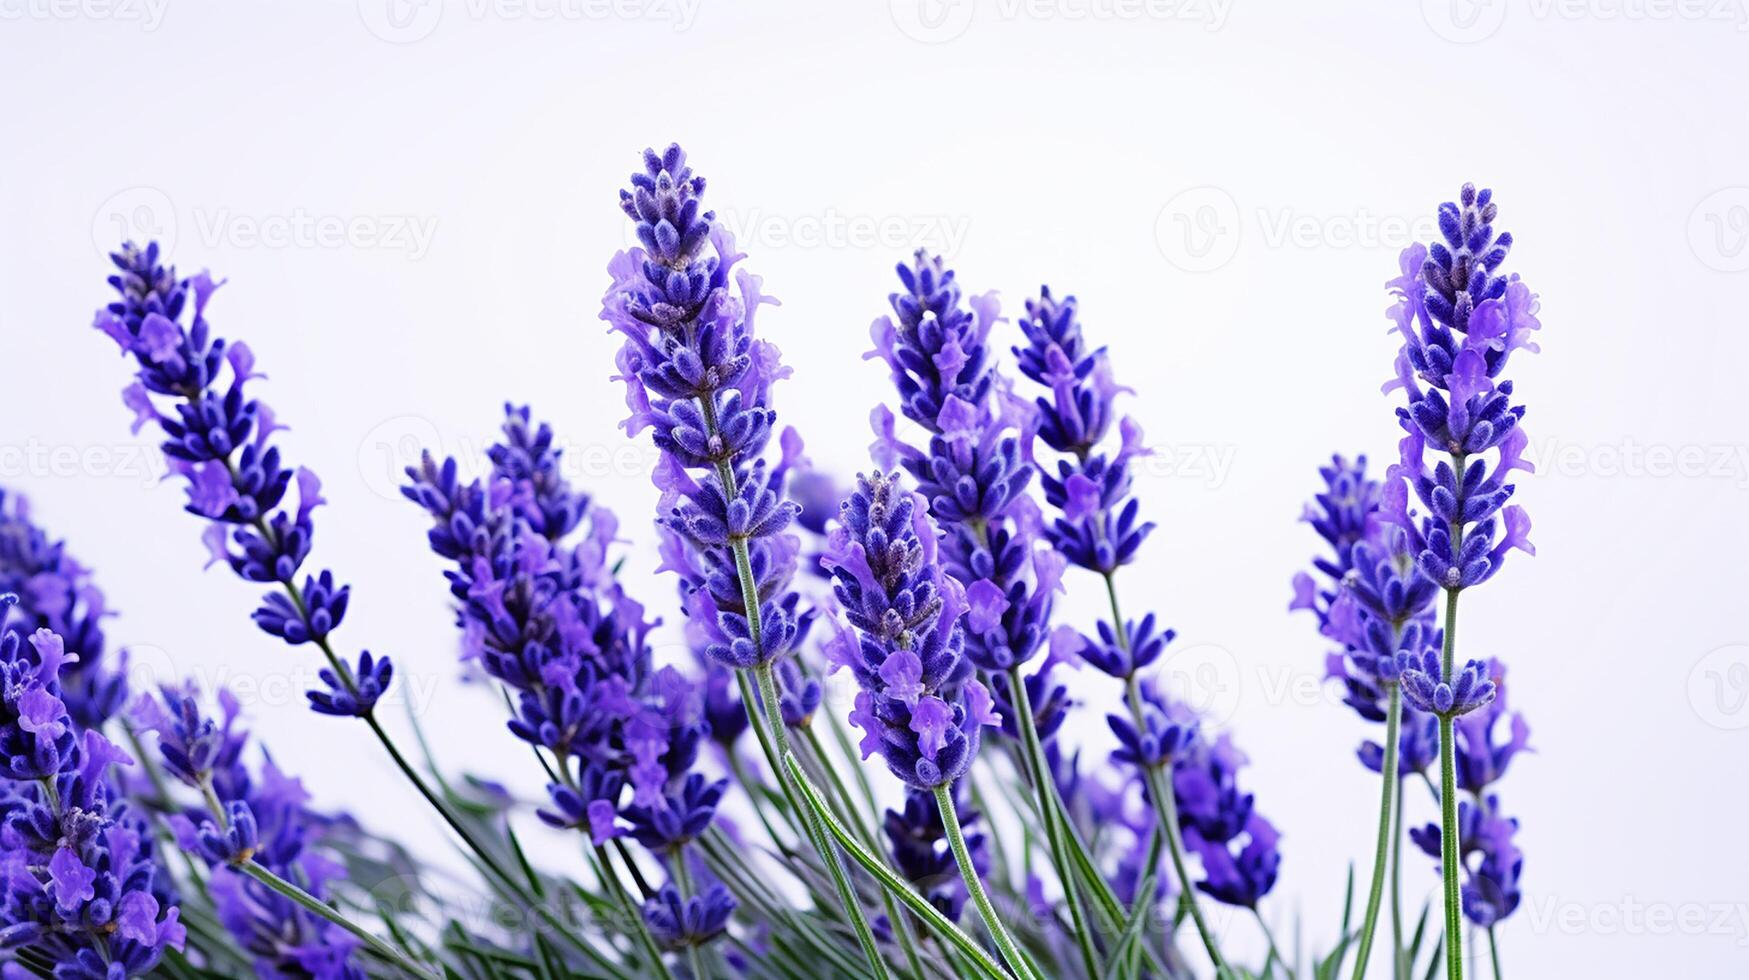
<point x="1098" y="528"/>
<point x="974" y="480"/>
<point x="690" y="344"/>
<point x="1377" y="604"/>
<point x="1459" y="321"/>
<point x="219" y="440"/>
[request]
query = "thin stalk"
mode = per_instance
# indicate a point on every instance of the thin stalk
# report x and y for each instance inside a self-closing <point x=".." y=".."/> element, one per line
<point x="962" y="856"/>
<point x="1381" y="855"/>
<point x="1042" y="785"/>
<point x="315" y="905"/>
<point x="635" y="919"/>
<point x="899" y="887"/>
<point x="250" y="867"/>
<point x="813" y="821"/>
<point x="777" y="747"/>
<point x="1448" y="808"/>
<point x="1399" y="968"/>
<point x="901" y="925"/>
<point x="1494" y="952"/>
<point x="1166" y="811"/>
<point x="1274" y="952"/>
<point x="342" y="671"/>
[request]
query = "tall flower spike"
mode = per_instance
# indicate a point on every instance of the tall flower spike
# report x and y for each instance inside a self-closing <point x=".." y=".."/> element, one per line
<point x="219" y="440"/>
<point x="971" y="474"/>
<point x="696" y="374"/>
<point x="541" y="612"/>
<point x="1460" y="322"/>
<point x="919" y="705"/>
<point x="1098" y="529"/>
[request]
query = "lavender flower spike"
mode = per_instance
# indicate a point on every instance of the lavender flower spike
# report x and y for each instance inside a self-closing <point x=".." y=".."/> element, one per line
<point x="219" y="440"/>
<point x="920" y="706"/>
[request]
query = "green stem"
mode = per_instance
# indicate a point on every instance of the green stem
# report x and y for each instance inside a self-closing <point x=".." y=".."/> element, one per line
<point x="315" y="905"/>
<point x="1039" y="771"/>
<point x="634" y="917"/>
<point x="791" y="778"/>
<point x="1494" y="952"/>
<point x="901" y="925"/>
<point x="1166" y="811"/>
<point x="962" y="856"/>
<point x="890" y="880"/>
<point x="1274" y="951"/>
<point x="1448" y="804"/>
<point x="1399" y="968"/>
<point x="1381" y="855"/>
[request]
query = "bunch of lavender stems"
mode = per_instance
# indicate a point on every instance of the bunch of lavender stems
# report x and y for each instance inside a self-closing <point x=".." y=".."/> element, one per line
<point x="931" y="580"/>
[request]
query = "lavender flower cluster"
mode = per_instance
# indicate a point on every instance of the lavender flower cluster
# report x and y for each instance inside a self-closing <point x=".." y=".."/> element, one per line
<point x="916" y="613"/>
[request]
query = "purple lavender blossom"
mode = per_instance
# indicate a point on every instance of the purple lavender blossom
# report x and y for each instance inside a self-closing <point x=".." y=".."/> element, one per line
<point x="1236" y="845"/>
<point x="84" y="890"/>
<point x="55" y="592"/>
<point x="920" y="706"/>
<point x="1460" y="323"/>
<point x="266" y="820"/>
<point x="973" y="477"/>
<point x="1374" y="603"/>
<point x="696" y="374"/>
<point x="1098" y="529"/>
<point x="679" y="923"/>
<point x="219" y="441"/>
<point x="541" y="613"/>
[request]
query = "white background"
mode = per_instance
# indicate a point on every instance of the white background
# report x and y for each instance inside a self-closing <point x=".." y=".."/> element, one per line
<point x="1224" y="186"/>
